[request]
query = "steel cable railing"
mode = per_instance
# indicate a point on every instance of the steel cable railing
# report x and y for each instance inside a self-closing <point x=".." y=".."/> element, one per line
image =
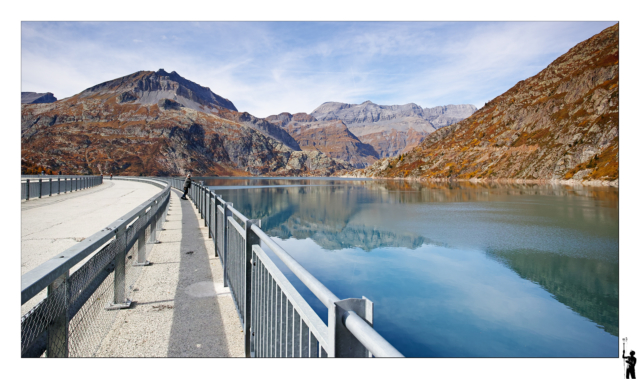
<point x="76" y="314"/>
<point x="276" y="320"/>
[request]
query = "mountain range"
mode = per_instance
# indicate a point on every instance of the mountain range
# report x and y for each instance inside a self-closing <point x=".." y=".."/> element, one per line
<point x="363" y="133"/>
<point x="159" y="123"/>
<point x="561" y="124"/>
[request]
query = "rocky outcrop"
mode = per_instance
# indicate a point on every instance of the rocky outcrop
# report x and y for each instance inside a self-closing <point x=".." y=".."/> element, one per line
<point x="263" y="126"/>
<point x="283" y="119"/>
<point x="37" y="98"/>
<point x="334" y="139"/>
<point x="148" y="87"/>
<point x="104" y="130"/>
<point x="561" y="124"/>
<point x="391" y="129"/>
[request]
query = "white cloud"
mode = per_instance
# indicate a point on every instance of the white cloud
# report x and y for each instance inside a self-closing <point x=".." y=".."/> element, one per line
<point x="268" y="68"/>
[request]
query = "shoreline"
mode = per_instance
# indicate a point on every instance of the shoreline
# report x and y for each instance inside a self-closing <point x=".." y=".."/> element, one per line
<point x="569" y="182"/>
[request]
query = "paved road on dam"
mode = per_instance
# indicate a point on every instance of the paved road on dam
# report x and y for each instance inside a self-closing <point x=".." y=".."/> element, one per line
<point x="51" y="225"/>
<point x="180" y="307"/>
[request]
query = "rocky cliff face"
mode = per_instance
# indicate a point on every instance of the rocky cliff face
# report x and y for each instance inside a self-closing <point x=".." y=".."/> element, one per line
<point x="116" y="128"/>
<point x="561" y="124"/>
<point x="37" y="98"/>
<point x="148" y="87"/>
<point x="391" y="129"/>
<point x="332" y="138"/>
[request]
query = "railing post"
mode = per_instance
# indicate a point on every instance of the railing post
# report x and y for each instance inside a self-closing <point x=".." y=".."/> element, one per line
<point x="58" y="330"/>
<point x="204" y="208"/>
<point x="58" y="186"/>
<point x="50" y="186"/>
<point x="40" y="191"/>
<point x="343" y="343"/>
<point x="28" y="188"/>
<point x="142" y="243"/>
<point x="119" y="282"/>
<point x="216" y="237"/>
<point x="225" y="244"/>
<point x="251" y="239"/>
<point x="154" y="221"/>
<point x="212" y="213"/>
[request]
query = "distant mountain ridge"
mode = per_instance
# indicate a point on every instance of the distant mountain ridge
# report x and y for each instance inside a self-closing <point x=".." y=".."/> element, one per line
<point x="369" y="112"/>
<point x="362" y="133"/>
<point x="37" y="98"/>
<point x="561" y="124"/>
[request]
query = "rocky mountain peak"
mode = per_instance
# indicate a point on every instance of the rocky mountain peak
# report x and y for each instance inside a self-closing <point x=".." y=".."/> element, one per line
<point x="37" y="98"/>
<point x="149" y="87"/>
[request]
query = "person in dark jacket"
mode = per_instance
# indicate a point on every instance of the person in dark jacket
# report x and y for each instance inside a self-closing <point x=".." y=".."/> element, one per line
<point x="187" y="185"/>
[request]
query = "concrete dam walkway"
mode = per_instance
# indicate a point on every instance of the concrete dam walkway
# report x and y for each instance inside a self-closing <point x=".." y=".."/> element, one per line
<point x="180" y="307"/>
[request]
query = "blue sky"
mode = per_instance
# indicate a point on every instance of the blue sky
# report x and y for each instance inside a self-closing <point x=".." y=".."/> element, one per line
<point x="266" y="68"/>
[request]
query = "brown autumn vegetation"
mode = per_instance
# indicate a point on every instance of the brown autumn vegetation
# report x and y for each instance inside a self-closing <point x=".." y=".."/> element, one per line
<point x="559" y="124"/>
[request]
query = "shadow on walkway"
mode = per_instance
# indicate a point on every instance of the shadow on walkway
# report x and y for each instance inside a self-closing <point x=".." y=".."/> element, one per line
<point x="197" y="329"/>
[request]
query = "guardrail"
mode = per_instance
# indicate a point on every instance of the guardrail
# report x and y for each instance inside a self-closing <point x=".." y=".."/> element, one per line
<point x="33" y="186"/>
<point x="276" y="320"/>
<point x="75" y="316"/>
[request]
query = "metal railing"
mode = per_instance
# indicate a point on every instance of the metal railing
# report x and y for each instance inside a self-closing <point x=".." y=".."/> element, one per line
<point x="76" y="314"/>
<point x="276" y="320"/>
<point x="35" y="186"/>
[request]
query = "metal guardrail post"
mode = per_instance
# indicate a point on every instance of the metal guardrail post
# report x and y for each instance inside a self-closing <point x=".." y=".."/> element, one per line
<point x="154" y="223"/>
<point x="216" y="237"/>
<point x="28" y="188"/>
<point x="142" y="245"/>
<point x="58" y="330"/>
<point x="212" y="213"/>
<point x="344" y="343"/>
<point x="225" y="243"/>
<point x="40" y="191"/>
<point x="50" y="186"/>
<point x="58" y="186"/>
<point x="205" y="203"/>
<point x="250" y="239"/>
<point x="119" y="282"/>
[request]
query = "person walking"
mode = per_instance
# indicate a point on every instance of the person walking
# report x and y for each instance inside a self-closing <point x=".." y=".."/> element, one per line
<point x="187" y="185"/>
<point x="631" y="364"/>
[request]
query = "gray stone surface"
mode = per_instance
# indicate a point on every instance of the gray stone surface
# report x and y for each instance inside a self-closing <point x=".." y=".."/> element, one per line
<point x="37" y="98"/>
<point x="149" y="89"/>
<point x="368" y="112"/>
<point x="181" y="308"/>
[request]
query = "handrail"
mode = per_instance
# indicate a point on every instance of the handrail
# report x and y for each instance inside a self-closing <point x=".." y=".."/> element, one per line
<point x="368" y="336"/>
<point x="40" y="277"/>
<point x="323" y="293"/>
<point x="209" y="205"/>
<point x="238" y="214"/>
<point x="74" y="316"/>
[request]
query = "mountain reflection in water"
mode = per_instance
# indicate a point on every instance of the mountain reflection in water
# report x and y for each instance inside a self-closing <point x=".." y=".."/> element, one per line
<point x="563" y="239"/>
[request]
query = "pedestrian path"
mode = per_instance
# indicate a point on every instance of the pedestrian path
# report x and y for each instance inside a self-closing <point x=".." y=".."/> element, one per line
<point x="51" y="225"/>
<point x="180" y="306"/>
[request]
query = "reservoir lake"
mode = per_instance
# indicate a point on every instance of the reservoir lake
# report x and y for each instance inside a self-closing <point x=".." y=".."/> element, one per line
<point x="453" y="269"/>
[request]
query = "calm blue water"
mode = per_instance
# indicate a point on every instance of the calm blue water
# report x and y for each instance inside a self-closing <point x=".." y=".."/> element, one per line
<point x="454" y="270"/>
